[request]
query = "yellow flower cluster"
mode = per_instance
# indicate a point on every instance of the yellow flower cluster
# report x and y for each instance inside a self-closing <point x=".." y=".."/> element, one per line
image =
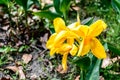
<point x="76" y="39"/>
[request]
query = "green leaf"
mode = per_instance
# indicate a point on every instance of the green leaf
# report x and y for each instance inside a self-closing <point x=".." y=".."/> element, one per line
<point x="47" y="14"/>
<point x="2" y="50"/>
<point x="6" y="49"/>
<point x="31" y="2"/>
<point x="113" y="49"/>
<point x="26" y="4"/>
<point x="116" y="5"/>
<point x="22" y="3"/>
<point x="88" y="21"/>
<point x="82" y="62"/>
<point x="64" y="7"/>
<point x="55" y="79"/>
<point x="4" y="2"/>
<point x="47" y="6"/>
<point x="23" y="48"/>
<point x="13" y="49"/>
<point x="57" y="5"/>
<point x="93" y="73"/>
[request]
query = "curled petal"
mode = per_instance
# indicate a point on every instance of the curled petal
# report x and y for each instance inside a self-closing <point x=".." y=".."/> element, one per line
<point x="74" y="50"/>
<point x="60" y="38"/>
<point x="80" y="30"/>
<point x="96" y="28"/>
<point x="63" y="35"/>
<point x="49" y="43"/>
<point x="64" y="48"/>
<point x="84" y="48"/>
<point x="53" y="51"/>
<point x="64" y="61"/>
<point x="72" y="35"/>
<point x="59" y="24"/>
<point x="97" y="48"/>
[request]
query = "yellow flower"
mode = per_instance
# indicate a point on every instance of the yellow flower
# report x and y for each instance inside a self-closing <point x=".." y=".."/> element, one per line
<point x="89" y="40"/>
<point x="62" y="41"/>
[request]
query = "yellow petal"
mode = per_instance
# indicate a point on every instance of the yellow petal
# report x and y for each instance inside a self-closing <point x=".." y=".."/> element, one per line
<point x="80" y="48"/>
<point x="80" y="30"/>
<point x="64" y="61"/>
<point x="84" y="48"/>
<point x="49" y="43"/>
<point x="74" y="50"/>
<point x="63" y="35"/>
<point x="64" y="48"/>
<point x="97" y="48"/>
<point x="60" y="38"/>
<point x="59" y="24"/>
<point x="52" y="51"/>
<point x="96" y="28"/>
<point x="70" y="41"/>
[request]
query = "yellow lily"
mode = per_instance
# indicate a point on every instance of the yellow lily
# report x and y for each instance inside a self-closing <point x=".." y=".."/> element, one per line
<point x="89" y="40"/>
<point x="62" y="41"/>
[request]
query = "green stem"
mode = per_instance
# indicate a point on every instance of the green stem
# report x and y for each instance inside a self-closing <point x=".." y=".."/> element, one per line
<point x="65" y="16"/>
<point x="10" y="16"/>
<point x="26" y="19"/>
<point x="82" y="74"/>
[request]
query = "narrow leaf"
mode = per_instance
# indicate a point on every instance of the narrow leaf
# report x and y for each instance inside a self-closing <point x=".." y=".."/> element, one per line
<point x="113" y="49"/>
<point x="82" y="62"/>
<point x="93" y="73"/>
<point x="116" y="5"/>
<point x="22" y="3"/>
<point x="57" y="5"/>
<point x="2" y="50"/>
<point x="26" y="4"/>
<point x="65" y="4"/>
<point x="4" y="2"/>
<point x="88" y="21"/>
<point x="64" y="7"/>
<point x="46" y="7"/>
<point x="47" y="14"/>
